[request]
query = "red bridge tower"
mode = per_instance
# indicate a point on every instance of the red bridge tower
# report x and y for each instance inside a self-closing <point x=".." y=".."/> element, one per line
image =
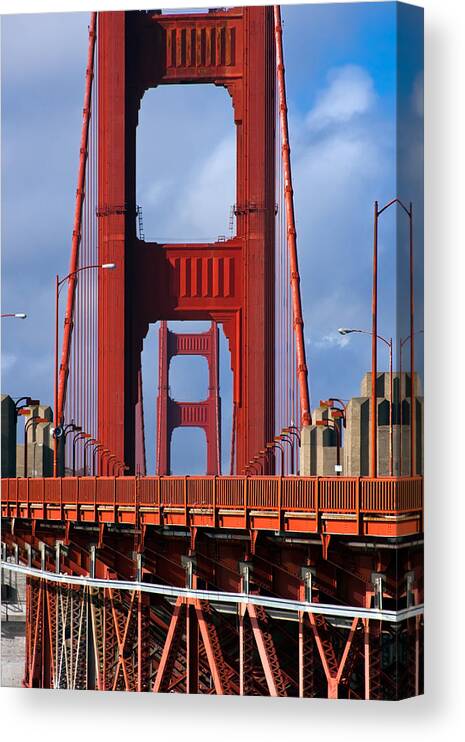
<point x="229" y="282"/>
<point x="173" y="414"/>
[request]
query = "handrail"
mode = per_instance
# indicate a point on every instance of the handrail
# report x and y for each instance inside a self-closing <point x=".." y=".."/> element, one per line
<point x="332" y="494"/>
<point x="218" y="596"/>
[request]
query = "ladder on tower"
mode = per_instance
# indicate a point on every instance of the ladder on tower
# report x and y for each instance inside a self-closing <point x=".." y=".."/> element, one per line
<point x="140" y="223"/>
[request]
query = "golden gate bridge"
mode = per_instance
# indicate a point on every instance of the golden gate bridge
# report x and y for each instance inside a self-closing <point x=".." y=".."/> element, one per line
<point x="261" y="582"/>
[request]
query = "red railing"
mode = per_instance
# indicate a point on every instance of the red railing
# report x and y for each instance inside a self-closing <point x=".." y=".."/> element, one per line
<point x="332" y="494"/>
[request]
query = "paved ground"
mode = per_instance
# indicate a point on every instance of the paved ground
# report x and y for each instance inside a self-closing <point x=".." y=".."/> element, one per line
<point x="12" y="653"/>
<point x="13" y="617"/>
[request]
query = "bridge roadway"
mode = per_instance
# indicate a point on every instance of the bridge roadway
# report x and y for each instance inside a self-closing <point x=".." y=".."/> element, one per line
<point x="352" y="506"/>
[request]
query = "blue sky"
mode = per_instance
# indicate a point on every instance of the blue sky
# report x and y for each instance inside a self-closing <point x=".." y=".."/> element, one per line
<point x="346" y="123"/>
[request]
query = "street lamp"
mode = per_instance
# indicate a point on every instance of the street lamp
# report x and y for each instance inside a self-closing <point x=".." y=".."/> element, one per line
<point x="37" y="419"/>
<point x="347" y="331"/>
<point x="277" y="446"/>
<point x="121" y="468"/>
<point x="21" y="403"/>
<point x="327" y="424"/>
<point x="330" y="403"/>
<point x="62" y="434"/>
<point x="58" y="284"/>
<point x="374" y="333"/>
<point x="89" y="442"/>
<point x="105" y="452"/>
<point x="113" y="459"/>
<point x="402" y="342"/>
<point x="290" y="441"/>
<point x="17" y="315"/>
<point x="78" y="437"/>
<point x="97" y="448"/>
<point x="256" y="462"/>
<point x="116" y="467"/>
<point x="295" y="432"/>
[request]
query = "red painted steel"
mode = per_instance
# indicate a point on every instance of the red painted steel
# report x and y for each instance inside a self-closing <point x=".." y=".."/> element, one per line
<point x="173" y="414"/>
<point x="81" y="637"/>
<point x="282" y="528"/>
<point x="229" y="282"/>
<point x="351" y="506"/>
<point x="302" y="371"/>
<point x="73" y="266"/>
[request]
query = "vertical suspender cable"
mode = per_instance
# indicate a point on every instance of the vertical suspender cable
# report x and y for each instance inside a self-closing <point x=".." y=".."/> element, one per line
<point x="302" y="371"/>
<point x="64" y="366"/>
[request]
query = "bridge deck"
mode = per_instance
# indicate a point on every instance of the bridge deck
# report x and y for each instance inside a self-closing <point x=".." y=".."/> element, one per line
<point x="382" y="507"/>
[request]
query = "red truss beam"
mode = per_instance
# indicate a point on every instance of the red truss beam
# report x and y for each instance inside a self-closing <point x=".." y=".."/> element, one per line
<point x="89" y="637"/>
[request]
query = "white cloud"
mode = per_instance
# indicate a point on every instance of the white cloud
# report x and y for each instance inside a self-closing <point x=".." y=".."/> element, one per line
<point x="331" y="340"/>
<point x="350" y="92"/>
<point x="204" y="205"/>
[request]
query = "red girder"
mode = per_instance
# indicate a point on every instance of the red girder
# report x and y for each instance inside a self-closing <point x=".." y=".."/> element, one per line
<point x="129" y="649"/>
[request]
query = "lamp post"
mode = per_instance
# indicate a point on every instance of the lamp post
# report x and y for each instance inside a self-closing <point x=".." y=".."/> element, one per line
<point x="254" y="464"/>
<point x="374" y="311"/>
<point x="37" y="419"/>
<point x="122" y="468"/>
<point x="277" y="446"/>
<point x="292" y="430"/>
<point x="335" y="427"/>
<point x="285" y="439"/>
<point x="78" y="437"/>
<point x="113" y="459"/>
<point x="105" y="452"/>
<point x="21" y="403"/>
<point x="16" y="315"/>
<point x="63" y="434"/>
<point x="347" y="331"/>
<point x="88" y="443"/>
<point x="330" y="403"/>
<point x="295" y="433"/>
<point x="116" y="467"/>
<point x="58" y="284"/>
<point x="259" y="461"/>
<point x="402" y="342"/>
<point x="97" y="448"/>
<point x="337" y="413"/>
<point x="119" y="467"/>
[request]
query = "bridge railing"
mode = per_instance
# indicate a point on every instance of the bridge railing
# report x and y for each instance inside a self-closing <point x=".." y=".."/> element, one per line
<point x="324" y="494"/>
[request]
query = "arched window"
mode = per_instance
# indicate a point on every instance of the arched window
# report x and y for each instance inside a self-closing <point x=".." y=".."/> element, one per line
<point x="383" y="413"/>
<point x="405" y="412"/>
<point x="329" y="437"/>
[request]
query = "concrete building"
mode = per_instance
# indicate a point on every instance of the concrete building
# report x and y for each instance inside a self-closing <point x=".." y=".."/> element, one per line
<point x="319" y="448"/>
<point x="358" y="417"/>
<point x="319" y="444"/>
<point x="39" y="446"/>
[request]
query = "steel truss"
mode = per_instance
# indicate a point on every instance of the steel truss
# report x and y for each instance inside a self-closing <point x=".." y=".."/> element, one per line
<point x="85" y="632"/>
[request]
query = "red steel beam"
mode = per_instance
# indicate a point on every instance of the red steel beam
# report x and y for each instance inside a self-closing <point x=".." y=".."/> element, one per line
<point x="267" y="651"/>
<point x="302" y="370"/>
<point x="169" y="647"/>
<point x="213" y="651"/>
<point x="68" y="329"/>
